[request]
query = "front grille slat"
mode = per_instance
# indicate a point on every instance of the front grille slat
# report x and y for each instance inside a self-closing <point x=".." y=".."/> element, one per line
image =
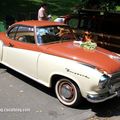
<point x="115" y="78"/>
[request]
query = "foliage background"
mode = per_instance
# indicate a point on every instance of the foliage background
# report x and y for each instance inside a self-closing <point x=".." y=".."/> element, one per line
<point x="27" y="9"/>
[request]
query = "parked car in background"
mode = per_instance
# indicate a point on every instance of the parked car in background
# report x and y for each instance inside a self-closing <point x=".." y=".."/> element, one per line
<point x="105" y="26"/>
<point x="49" y="53"/>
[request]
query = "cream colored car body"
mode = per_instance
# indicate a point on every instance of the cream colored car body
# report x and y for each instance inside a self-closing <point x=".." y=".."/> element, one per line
<point x="42" y="67"/>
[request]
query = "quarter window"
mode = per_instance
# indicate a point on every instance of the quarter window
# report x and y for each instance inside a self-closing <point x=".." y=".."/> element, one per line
<point x="12" y="32"/>
<point x="25" y="34"/>
<point x="22" y="34"/>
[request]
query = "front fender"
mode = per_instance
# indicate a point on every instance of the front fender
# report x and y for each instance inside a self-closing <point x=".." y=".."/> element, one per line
<point x="84" y="76"/>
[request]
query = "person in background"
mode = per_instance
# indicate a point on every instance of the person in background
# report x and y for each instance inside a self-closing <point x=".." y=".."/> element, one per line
<point x="42" y="12"/>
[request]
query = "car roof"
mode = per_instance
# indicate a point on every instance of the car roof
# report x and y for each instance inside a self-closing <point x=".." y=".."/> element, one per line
<point x="37" y="23"/>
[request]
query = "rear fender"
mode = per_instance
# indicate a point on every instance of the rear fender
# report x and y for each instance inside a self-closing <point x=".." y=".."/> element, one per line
<point x="1" y="50"/>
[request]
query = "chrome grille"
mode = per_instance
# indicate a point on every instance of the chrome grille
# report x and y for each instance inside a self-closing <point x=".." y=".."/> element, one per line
<point x="115" y="78"/>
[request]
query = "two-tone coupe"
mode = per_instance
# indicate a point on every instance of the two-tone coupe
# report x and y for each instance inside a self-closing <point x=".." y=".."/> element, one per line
<point x="49" y="53"/>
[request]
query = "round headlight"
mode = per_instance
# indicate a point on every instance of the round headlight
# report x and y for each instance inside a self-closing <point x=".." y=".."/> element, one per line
<point x="103" y="81"/>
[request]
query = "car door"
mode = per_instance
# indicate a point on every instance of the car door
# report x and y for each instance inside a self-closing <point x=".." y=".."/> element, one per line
<point x="20" y="52"/>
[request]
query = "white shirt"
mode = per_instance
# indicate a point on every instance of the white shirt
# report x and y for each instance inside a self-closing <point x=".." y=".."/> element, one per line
<point x="42" y="14"/>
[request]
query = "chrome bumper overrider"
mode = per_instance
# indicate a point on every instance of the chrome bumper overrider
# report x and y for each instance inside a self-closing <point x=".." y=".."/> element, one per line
<point x="103" y="97"/>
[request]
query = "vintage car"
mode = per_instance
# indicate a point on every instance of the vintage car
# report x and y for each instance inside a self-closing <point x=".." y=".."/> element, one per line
<point x="49" y="53"/>
<point x="104" y="26"/>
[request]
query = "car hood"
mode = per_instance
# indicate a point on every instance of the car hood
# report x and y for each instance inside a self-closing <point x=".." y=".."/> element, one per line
<point x="100" y="58"/>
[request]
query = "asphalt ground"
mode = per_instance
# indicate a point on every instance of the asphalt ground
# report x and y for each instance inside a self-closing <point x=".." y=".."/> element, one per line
<point x="24" y="99"/>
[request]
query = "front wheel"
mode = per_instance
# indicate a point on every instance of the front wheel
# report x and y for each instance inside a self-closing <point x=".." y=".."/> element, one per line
<point x="67" y="92"/>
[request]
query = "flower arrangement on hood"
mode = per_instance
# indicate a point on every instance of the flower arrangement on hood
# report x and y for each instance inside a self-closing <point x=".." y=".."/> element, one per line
<point x="87" y="41"/>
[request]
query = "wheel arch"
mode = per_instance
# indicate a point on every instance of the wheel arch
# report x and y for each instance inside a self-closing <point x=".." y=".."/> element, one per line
<point x="57" y="77"/>
<point x="76" y="97"/>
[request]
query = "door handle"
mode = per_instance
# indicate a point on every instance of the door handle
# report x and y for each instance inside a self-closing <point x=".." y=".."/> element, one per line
<point x="11" y="45"/>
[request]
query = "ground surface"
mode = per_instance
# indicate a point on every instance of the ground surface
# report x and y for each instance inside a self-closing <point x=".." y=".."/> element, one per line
<point x="23" y="99"/>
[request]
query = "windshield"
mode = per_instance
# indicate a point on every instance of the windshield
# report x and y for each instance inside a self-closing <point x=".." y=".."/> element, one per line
<point x="53" y="34"/>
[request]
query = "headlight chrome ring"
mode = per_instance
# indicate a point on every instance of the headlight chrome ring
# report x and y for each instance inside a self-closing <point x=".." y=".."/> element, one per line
<point x="103" y="81"/>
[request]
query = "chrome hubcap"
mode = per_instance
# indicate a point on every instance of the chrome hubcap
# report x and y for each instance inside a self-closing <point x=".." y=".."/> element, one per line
<point x="67" y="91"/>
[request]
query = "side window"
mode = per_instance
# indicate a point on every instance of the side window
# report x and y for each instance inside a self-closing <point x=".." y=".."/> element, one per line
<point x="73" y="23"/>
<point x="53" y="34"/>
<point x="11" y="33"/>
<point x="25" y="34"/>
<point x="46" y="34"/>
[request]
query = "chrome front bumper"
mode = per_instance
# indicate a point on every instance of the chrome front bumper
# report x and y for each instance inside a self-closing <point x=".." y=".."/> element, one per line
<point x="112" y="89"/>
<point x="102" y="97"/>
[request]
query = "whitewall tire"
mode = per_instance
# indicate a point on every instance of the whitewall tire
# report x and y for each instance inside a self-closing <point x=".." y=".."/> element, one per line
<point x="67" y="92"/>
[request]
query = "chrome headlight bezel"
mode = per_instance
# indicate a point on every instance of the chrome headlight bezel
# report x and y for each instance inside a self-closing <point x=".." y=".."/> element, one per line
<point x="103" y="81"/>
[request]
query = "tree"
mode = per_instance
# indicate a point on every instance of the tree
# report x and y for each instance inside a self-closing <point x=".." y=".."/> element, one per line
<point x="100" y="4"/>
